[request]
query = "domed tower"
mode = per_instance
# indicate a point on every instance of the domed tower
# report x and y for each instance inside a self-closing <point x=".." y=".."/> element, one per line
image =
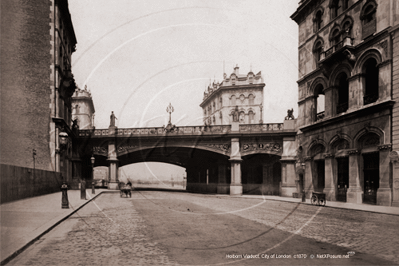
<point x="83" y="108"/>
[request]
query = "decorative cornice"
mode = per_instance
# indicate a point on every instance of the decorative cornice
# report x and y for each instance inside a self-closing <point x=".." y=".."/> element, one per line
<point x="328" y="155"/>
<point x="353" y="152"/>
<point x="387" y="146"/>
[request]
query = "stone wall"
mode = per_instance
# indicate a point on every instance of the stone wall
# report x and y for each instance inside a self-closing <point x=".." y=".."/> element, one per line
<point x="395" y="88"/>
<point x="20" y="182"/>
<point x="25" y="83"/>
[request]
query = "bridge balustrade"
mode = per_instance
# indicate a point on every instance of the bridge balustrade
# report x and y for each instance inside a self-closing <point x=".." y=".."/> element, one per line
<point x="184" y="130"/>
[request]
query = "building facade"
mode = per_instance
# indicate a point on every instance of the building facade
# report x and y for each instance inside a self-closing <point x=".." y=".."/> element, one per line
<point x="82" y="109"/>
<point x="348" y="91"/>
<point x="37" y="42"/>
<point x="243" y="93"/>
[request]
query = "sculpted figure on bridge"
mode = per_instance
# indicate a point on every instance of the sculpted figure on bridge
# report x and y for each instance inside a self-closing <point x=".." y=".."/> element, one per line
<point x="112" y="119"/>
<point x="290" y="114"/>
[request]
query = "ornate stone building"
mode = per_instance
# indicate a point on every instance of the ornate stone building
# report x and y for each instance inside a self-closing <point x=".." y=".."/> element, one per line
<point x="37" y="41"/>
<point x="83" y="109"/>
<point x="244" y="92"/>
<point x="348" y="91"/>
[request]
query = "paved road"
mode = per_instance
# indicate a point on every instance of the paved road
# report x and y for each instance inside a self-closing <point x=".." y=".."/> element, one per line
<point x="165" y="228"/>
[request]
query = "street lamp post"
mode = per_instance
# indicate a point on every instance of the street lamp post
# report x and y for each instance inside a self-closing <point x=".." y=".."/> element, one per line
<point x="92" y="174"/>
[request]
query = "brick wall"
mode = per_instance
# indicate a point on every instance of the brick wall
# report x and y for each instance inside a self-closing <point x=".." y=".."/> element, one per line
<point x="25" y="82"/>
<point x="20" y="182"/>
<point x="395" y="85"/>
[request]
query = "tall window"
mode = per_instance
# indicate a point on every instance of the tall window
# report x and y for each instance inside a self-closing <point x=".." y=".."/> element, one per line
<point x="347" y="28"/>
<point x="233" y="100"/>
<point x="343" y="93"/>
<point x="318" y="20"/>
<point x="251" y="98"/>
<point x="368" y="17"/>
<point x="345" y="4"/>
<point x="335" y="36"/>
<point x="370" y="71"/>
<point x="317" y="50"/>
<point x="320" y="102"/>
<point x="335" y="8"/>
<point x="251" y="117"/>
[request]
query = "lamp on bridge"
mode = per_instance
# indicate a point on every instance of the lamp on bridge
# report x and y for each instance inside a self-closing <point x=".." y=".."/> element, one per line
<point x="92" y="159"/>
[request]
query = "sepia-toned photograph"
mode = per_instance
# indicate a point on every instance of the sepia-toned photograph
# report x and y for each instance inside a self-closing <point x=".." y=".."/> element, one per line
<point x="199" y="132"/>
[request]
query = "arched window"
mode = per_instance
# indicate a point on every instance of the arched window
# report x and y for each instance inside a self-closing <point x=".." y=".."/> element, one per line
<point x="370" y="71"/>
<point x="335" y="7"/>
<point x="335" y="36"/>
<point x="242" y="117"/>
<point x="369" y="25"/>
<point x="233" y="100"/>
<point x="242" y="98"/>
<point x="347" y="24"/>
<point x="320" y="102"/>
<point x="317" y="50"/>
<point x="251" y="98"/>
<point x="251" y="116"/>
<point x="343" y="93"/>
<point x="221" y="102"/>
<point x="318" y="20"/>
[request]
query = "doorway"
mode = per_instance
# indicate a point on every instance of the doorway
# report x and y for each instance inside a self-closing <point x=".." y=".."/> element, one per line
<point x="371" y="171"/>
<point x="343" y="178"/>
<point x="320" y="170"/>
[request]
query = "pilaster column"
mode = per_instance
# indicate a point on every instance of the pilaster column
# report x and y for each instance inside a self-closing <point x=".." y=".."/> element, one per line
<point x="288" y="185"/>
<point x="113" y="167"/>
<point x="384" y="192"/>
<point x="235" y="160"/>
<point x="354" y="193"/>
<point x="308" y="180"/>
<point x="330" y="181"/>
<point x="394" y="156"/>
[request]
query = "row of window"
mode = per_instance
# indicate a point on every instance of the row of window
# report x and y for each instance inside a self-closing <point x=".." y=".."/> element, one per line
<point x="339" y="32"/>
<point x="370" y="77"/>
<point x="233" y="101"/>
<point x="241" y="117"/>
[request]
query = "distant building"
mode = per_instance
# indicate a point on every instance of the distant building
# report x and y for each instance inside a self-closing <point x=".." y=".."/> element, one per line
<point x="83" y="109"/>
<point x="244" y="92"/>
<point x="348" y="99"/>
<point x="37" y="41"/>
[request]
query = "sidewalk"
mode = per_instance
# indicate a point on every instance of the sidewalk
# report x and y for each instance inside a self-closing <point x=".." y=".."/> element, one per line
<point x="24" y="221"/>
<point x="334" y="204"/>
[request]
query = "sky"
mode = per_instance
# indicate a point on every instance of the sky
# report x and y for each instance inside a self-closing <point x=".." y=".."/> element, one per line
<point x="137" y="56"/>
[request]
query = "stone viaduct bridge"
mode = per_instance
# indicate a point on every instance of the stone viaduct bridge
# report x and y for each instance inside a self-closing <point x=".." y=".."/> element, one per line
<point x="229" y="159"/>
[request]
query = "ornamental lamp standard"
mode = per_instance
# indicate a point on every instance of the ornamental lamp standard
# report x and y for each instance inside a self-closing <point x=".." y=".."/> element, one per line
<point x="63" y="137"/>
<point x="92" y="174"/>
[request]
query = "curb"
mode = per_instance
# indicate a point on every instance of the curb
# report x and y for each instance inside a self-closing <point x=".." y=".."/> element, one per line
<point x="19" y="251"/>
<point x="329" y="206"/>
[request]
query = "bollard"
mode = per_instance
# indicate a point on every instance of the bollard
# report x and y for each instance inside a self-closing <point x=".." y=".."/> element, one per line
<point x="93" y="191"/>
<point x="64" y="201"/>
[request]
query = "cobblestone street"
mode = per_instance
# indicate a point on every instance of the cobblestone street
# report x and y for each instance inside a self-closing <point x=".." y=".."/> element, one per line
<point x="165" y="228"/>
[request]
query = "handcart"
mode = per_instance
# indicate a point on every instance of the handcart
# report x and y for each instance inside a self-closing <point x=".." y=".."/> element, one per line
<point x="318" y="198"/>
<point x="125" y="190"/>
